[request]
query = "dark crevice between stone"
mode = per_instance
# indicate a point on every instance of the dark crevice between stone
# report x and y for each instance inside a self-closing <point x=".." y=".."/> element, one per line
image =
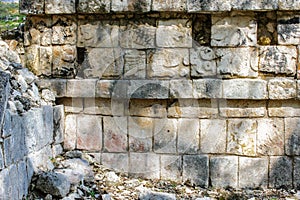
<point x="267" y="28"/>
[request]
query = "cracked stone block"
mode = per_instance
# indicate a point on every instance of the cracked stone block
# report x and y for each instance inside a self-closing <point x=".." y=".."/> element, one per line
<point x="169" y="5"/>
<point x="208" y="5"/>
<point x="281" y="170"/>
<point x="284" y="108"/>
<point x="165" y="133"/>
<point x="292" y="136"/>
<point x="224" y="171"/>
<point x="282" y="88"/>
<point x="174" y="33"/>
<point x="89" y="132"/>
<point x="253" y="172"/>
<point x="97" y="106"/>
<point x="278" y="60"/>
<point x="203" y="62"/>
<point x="260" y="5"/>
<point x="60" y="6"/>
<point x="131" y="5"/>
<point x="213" y="136"/>
<point x="207" y="88"/>
<point x="237" y="30"/>
<point x="45" y="64"/>
<point x="140" y="134"/>
<point x="93" y="33"/>
<point x="148" y="89"/>
<point x="241" y="62"/>
<point x="182" y="89"/>
<point x="289" y="4"/>
<point x="32" y="6"/>
<point x="270" y="137"/>
<point x="149" y="108"/>
<point x="70" y="132"/>
<point x="93" y="6"/>
<point x="64" y="30"/>
<point x="115" y="134"/>
<point x="135" y="64"/>
<point x="64" y="61"/>
<point x="242" y="108"/>
<point x="168" y="63"/>
<point x="148" y="167"/>
<point x="81" y="88"/>
<point x="117" y="161"/>
<point x="288" y="28"/>
<point x="241" y="138"/>
<point x="196" y="170"/>
<point x="171" y="167"/>
<point x="296" y="172"/>
<point x="245" y="89"/>
<point x="188" y="136"/>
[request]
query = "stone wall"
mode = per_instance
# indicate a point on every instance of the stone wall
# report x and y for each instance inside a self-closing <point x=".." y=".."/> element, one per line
<point x="196" y="91"/>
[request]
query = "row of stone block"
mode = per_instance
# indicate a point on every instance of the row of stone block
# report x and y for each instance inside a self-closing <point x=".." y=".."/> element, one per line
<point x="250" y="137"/>
<point x="106" y="6"/>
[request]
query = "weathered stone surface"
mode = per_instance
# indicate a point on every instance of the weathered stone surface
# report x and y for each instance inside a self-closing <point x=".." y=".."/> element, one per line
<point x="130" y="5"/>
<point x="208" y="5"/>
<point x="207" y="88"/>
<point x="196" y="170"/>
<point x="135" y="64"/>
<point x="170" y="5"/>
<point x="93" y="6"/>
<point x="203" y="62"/>
<point x="147" y="194"/>
<point x="1" y="159"/>
<point x="140" y="134"/>
<point x="59" y="7"/>
<point x="253" y="172"/>
<point x="289" y="4"/>
<point x="64" y="30"/>
<point x="81" y="88"/>
<point x="242" y="108"/>
<point x="237" y="30"/>
<point x="72" y="105"/>
<point x="224" y="171"/>
<point x="165" y="131"/>
<point x="7" y="125"/>
<point x="32" y="59"/>
<point x="115" y="134"/>
<point x="57" y="149"/>
<point x="40" y="161"/>
<point x="64" y="61"/>
<point x="22" y="180"/>
<point x="92" y="33"/>
<point x="281" y="170"/>
<point x="89" y="132"/>
<point x="288" y="28"/>
<point x="255" y="5"/>
<point x="118" y="161"/>
<point x="148" y="89"/>
<point x="168" y="63"/>
<point x="171" y="167"/>
<point x="45" y="63"/>
<point x="292" y="136"/>
<point x="213" y="136"/>
<point x="14" y="182"/>
<point x="57" y="86"/>
<point x="4" y="94"/>
<point x="245" y="89"/>
<point x="149" y="166"/>
<point x="32" y="6"/>
<point x="70" y="132"/>
<point x="5" y="183"/>
<point x="296" y="172"/>
<point x="97" y="106"/>
<point x="284" y="108"/>
<point x="112" y="89"/>
<point x="278" y="59"/>
<point x="282" y="88"/>
<point x="148" y="108"/>
<point x="201" y="30"/>
<point x="181" y="88"/>
<point x="241" y="138"/>
<point x="174" y="33"/>
<point x="270" y="140"/>
<point x="188" y="136"/>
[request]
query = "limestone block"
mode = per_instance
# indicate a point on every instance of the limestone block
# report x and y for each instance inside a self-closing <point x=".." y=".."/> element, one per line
<point x="224" y="171"/>
<point x="174" y="33"/>
<point x="203" y="62"/>
<point x="94" y="6"/>
<point x="270" y="137"/>
<point x="89" y="132"/>
<point x="40" y="160"/>
<point x="284" y="108"/>
<point x="181" y="88"/>
<point x="207" y="88"/>
<point x="260" y="5"/>
<point x="171" y="167"/>
<point x="208" y="5"/>
<point x="48" y="121"/>
<point x="253" y="172"/>
<point x="97" y="106"/>
<point x="241" y="138"/>
<point x="92" y="33"/>
<point x="168" y="63"/>
<point x="242" y="108"/>
<point x="288" y="28"/>
<point x="148" y="89"/>
<point x="60" y="7"/>
<point x="5" y="181"/>
<point x="32" y="6"/>
<point x="81" y="88"/>
<point x="165" y="133"/>
<point x="38" y="31"/>
<point x="72" y="105"/>
<point x="137" y="35"/>
<point x="292" y="136"/>
<point x="14" y="181"/>
<point x="140" y="134"/>
<point x="45" y="63"/>
<point x="70" y="132"/>
<point x="148" y="108"/>
<point x="115" y="134"/>
<point x="233" y="31"/>
<point x="4" y="93"/>
<point x="57" y="86"/>
<point x="213" y="136"/>
<point x="112" y="89"/>
<point x="245" y="89"/>
<point x="104" y="62"/>
<point x="64" y="29"/>
<point x="22" y="180"/>
<point x="296" y="172"/>
<point x="169" y="5"/>
<point x="278" y="59"/>
<point x="148" y="167"/>
<point x="135" y="64"/>
<point x="281" y="170"/>
<point x="241" y="62"/>
<point x="59" y="123"/>
<point x="1" y="159"/>
<point x="117" y="161"/>
<point x="32" y="60"/>
<point x="193" y="108"/>
<point x="130" y="5"/>
<point x="282" y="88"/>
<point x="188" y="136"/>
<point x="64" y="61"/>
<point x="196" y="170"/>
<point x="289" y="4"/>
